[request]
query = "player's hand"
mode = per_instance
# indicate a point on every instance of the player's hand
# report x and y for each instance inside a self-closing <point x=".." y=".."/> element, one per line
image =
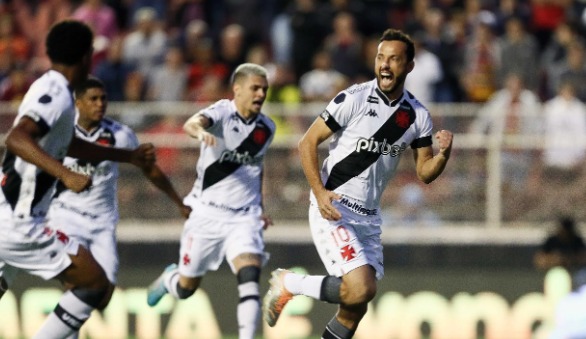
<point x="266" y="221"/>
<point x="143" y="155"/>
<point x="444" y="139"/>
<point x="76" y="182"/>
<point x="185" y="211"/>
<point x="206" y="137"/>
<point x="324" y="202"/>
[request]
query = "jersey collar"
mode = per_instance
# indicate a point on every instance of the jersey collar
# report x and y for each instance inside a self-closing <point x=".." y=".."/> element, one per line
<point x="385" y="98"/>
<point x="244" y="120"/>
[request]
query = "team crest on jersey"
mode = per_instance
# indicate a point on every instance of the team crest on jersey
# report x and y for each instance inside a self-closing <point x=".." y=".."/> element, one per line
<point x="402" y="119"/>
<point x="106" y="138"/>
<point x="259" y="136"/>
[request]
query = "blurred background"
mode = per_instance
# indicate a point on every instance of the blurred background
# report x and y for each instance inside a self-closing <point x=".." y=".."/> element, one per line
<point x="508" y="77"/>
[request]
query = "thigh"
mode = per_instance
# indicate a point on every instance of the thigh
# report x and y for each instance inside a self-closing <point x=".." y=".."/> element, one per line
<point x="202" y="246"/>
<point x="345" y="245"/>
<point x="103" y="247"/>
<point x="36" y="249"/>
<point x="245" y="244"/>
<point x="84" y="271"/>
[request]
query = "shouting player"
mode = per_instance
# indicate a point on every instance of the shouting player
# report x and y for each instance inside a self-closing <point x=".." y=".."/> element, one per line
<point x="372" y="124"/>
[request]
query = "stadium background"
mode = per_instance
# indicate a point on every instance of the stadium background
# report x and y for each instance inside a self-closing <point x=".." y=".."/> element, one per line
<point x="479" y="230"/>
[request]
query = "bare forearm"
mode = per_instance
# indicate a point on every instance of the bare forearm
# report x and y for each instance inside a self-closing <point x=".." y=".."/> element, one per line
<point x="23" y="146"/>
<point x="85" y="150"/>
<point x="310" y="163"/>
<point x="162" y="182"/>
<point x="432" y="168"/>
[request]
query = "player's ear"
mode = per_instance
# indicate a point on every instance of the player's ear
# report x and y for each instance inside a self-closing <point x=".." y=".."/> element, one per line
<point x="410" y="66"/>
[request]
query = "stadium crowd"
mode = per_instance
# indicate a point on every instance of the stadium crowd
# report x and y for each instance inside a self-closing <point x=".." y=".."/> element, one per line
<point x="185" y="50"/>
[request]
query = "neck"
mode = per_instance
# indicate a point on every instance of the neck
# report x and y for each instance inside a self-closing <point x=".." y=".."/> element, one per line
<point x="69" y="72"/>
<point x="87" y="125"/>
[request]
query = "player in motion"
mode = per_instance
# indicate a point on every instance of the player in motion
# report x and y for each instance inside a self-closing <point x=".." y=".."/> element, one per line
<point x="41" y="136"/>
<point x="372" y="124"/>
<point x="91" y="216"/>
<point x="227" y="218"/>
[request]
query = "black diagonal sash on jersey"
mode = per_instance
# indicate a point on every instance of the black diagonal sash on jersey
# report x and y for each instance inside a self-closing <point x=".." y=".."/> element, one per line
<point x="11" y="181"/>
<point x="356" y="162"/>
<point x="219" y="170"/>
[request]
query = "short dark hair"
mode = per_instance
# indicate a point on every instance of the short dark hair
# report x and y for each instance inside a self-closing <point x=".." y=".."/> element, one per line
<point x="90" y="82"/>
<point x="68" y="42"/>
<point x="392" y="34"/>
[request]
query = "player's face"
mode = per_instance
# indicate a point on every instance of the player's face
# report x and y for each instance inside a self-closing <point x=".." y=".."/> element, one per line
<point x="92" y="106"/>
<point x="391" y="66"/>
<point x="250" y="93"/>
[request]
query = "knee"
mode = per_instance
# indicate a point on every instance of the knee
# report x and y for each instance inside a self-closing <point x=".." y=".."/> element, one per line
<point x="357" y="293"/>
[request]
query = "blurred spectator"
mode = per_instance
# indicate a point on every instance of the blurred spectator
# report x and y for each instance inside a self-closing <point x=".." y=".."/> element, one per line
<point x="182" y="14"/>
<point x="204" y="68"/>
<point x="194" y="34"/>
<point x="113" y="71"/>
<point x="410" y="209"/>
<point x="35" y="21"/>
<point x="573" y="70"/>
<point x="145" y="46"/>
<point x="14" y="87"/>
<point x="417" y="15"/>
<point x="12" y="44"/>
<point x="519" y="54"/>
<point x="481" y="63"/>
<point x="345" y="45"/>
<point x="283" y="87"/>
<point x="426" y="74"/>
<point x="158" y="6"/>
<point x="546" y="15"/>
<point x="565" y="248"/>
<point x="134" y="92"/>
<point x="258" y="54"/>
<point x="168" y="82"/>
<point x="309" y="26"/>
<point x="102" y="19"/>
<point x="511" y="111"/>
<point x="252" y="16"/>
<point x="232" y="50"/>
<point x="555" y="53"/>
<point x="323" y="82"/>
<point x="449" y="48"/>
<point x="565" y="134"/>
<point x="507" y="9"/>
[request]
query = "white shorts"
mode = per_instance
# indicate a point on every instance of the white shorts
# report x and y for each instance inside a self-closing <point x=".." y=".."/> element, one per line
<point x="205" y="242"/>
<point x="348" y="243"/>
<point x="98" y="235"/>
<point x="35" y="248"/>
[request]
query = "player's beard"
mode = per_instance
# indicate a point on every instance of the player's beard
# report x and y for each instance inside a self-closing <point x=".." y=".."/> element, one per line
<point x="397" y="85"/>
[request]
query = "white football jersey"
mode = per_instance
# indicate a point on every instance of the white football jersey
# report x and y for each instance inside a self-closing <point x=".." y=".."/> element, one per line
<point x="370" y="134"/>
<point x="101" y="198"/>
<point x="27" y="190"/>
<point x="229" y="174"/>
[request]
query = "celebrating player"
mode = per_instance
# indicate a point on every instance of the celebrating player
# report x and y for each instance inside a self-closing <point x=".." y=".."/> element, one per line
<point x="372" y="124"/>
<point x="227" y="218"/>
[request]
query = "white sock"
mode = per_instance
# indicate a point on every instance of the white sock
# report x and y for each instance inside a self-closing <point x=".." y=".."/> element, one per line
<point x="248" y="310"/>
<point x="66" y="319"/>
<point x="171" y="279"/>
<point x="308" y="285"/>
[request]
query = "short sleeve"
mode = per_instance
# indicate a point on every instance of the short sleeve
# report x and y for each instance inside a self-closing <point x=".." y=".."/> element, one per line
<point x="338" y="112"/>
